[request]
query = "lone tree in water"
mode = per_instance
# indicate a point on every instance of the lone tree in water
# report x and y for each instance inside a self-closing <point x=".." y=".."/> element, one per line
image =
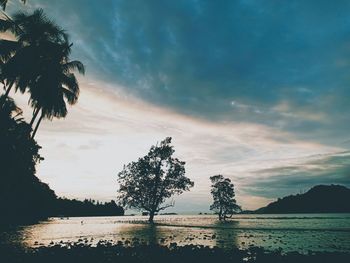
<point x="224" y="197"/>
<point x="146" y="184"/>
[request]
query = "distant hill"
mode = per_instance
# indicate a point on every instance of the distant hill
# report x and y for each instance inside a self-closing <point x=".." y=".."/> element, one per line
<point x="319" y="199"/>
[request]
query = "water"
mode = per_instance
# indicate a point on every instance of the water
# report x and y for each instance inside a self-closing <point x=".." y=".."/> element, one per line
<point x="292" y="232"/>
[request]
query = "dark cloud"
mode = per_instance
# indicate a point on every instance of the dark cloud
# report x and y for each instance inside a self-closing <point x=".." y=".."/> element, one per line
<point x="282" y="181"/>
<point x="223" y="60"/>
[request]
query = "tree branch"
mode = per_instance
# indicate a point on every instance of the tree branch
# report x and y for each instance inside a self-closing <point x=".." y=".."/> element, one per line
<point x="166" y="206"/>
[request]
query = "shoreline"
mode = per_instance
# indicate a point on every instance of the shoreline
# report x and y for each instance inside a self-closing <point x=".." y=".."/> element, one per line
<point x="299" y="236"/>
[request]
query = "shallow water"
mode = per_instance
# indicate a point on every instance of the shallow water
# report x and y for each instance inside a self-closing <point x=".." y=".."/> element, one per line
<point x="292" y="232"/>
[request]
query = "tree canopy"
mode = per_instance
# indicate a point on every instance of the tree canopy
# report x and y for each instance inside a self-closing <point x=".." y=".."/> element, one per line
<point x="223" y="194"/>
<point x="147" y="183"/>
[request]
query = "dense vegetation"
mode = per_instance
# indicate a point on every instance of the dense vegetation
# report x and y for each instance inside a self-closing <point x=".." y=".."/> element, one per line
<point x="319" y="199"/>
<point x="36" y="60"/>
<point x="23" y="197"/>
<point x="68" y="207"/>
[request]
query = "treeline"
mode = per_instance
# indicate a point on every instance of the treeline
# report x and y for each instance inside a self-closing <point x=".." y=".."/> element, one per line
<point x="67" y="207"/>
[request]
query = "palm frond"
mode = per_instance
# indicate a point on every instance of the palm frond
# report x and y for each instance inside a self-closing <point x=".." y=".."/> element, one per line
<point x="9" y="107"/>
<point x="8" y="48"/>
<point x="71" y="97"/>
<point x="71" y="83"/>
<point x="3" y="3"/>
<point x="41" y="63"/>
<point x="37" y="27"/>
<point x="74" y="65"/>
<point x="7" y="24"/>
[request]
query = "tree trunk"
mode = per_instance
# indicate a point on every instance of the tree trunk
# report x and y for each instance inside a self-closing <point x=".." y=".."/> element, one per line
<point x="154" y="195"/>
<point x="151" y="216"/>
<point x="37" y="125"/>
<point x="35" y="114"/>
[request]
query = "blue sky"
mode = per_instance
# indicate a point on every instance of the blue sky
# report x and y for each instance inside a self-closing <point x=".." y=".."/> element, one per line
<point x="283" y="64"/>
<point x="257" y="90"/>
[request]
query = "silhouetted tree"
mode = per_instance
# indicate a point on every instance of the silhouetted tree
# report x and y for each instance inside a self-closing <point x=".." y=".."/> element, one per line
<point x="223" y="194"/>
<point x="22" y="195"/>
<point x="39" y="61"/>
<point x="56" y="84"/>
<point x="23" y="56"/>
<point x="147" y="183"/>
<point x="19" y="151"/>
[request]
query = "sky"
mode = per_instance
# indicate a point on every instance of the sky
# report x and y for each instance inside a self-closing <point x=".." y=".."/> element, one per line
<point x="255" y="90"/>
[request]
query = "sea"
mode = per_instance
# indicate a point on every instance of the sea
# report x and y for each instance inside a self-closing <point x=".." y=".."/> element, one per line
<point x="286" y="232"/>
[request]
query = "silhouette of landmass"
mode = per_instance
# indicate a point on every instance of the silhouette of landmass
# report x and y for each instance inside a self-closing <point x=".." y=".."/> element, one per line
<point x="319" y="199"/>
<point x="68" y="207"/>
<point x="25" y="199"/>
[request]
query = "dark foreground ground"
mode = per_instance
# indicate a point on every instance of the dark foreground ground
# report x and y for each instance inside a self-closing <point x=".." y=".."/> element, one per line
<point x="105" y="252"/>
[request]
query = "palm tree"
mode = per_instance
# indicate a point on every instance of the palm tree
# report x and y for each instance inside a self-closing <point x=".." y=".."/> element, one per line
<point x="39" y="62"/>
<point x="3" y="3"/>
<point x="56" y="85"/>
<point x="32" y="33"/>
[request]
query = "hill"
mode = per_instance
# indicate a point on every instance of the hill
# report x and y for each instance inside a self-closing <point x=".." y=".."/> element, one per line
<point x="319" y="199"/>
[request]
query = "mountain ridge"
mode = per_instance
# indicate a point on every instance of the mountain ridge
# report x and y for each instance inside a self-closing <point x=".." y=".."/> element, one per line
<point x="318" y="199"/>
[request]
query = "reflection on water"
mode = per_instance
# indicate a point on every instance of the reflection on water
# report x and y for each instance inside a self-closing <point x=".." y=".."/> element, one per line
<point x="327" y="232"/>
<point x="222" y="235"/>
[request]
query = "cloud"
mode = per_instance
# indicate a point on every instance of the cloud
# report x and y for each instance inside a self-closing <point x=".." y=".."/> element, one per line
<point x="107" y="129"/>
<point x="299" y="177"/>
<point x="197" y="57"/>
<point x="249" y="89"/>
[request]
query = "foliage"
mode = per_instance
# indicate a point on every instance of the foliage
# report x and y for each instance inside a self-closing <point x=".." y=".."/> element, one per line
<point x="148" y="182"/>
<point x="23" y="57"/>
<point x="38" y="62"/>
<point x="223" y="194"/>
<point x="22" y="195"/>
<point x="15" y="141"/>
<point x="68" y="207"/>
